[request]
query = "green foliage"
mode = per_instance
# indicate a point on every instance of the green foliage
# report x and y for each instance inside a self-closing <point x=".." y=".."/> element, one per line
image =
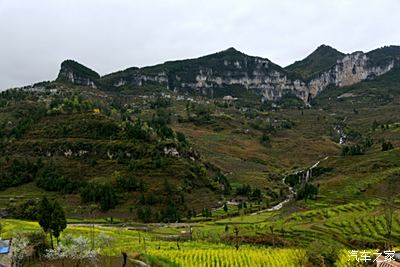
<point x="181" y="139"/>
<point x="225" y="207"/>
<point x="38" y="241"/>
<point x="244" y="190"/>
<point x="290" y="101"/>
<point x="144" y="214"/>
<point x="58" y="220"/>
<point x="375" y="125"/>
<point x="18" y="172"/>
<point x="100" y="129"/>
<point x="50" y="179"/>
<point x="138" y="130"/>
<point x="104" y="194"/>
<point x="108" y="199"/>
<point x="307" y="191"/>
<point x="323" y="58"/>
<point x="69" y="104"/>
<point x="170" y="213"/>
<point x="160" y="103"/>
<point x="13" y="95"/>
<point x="386" y="145"/>
<point x="293" y="179"/>
<point x="383" y="56"/>
<point x="201" y="114"/>
<point x="320" y="253"/>
<point x="27" y="210"/>
<point x="256" y="195"/>
<point x="224" y="182"/>
<point x="159" y="123"/>
<point x="51" y="218"/>
<point x="129" y="183"/>
<point x="27" y="119"/>
<point x="206" y="212"/>
<point x="317" y="171"/>
<point x="352" y="150"/>
<point x="45" y="211"/>
<point x="265" y="140"/>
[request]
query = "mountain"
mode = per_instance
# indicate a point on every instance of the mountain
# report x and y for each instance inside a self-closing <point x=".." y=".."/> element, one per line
<point x="77" y="73"/>
<point x="231" y="72"/>
<point x="322" y="59"/>
<point x="162" y="138"/>
<point x="160" y="150"/>
<point x="213" y="75"/>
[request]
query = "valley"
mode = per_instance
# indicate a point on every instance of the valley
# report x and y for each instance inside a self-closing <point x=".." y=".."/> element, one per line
<point x="194" y="163"/>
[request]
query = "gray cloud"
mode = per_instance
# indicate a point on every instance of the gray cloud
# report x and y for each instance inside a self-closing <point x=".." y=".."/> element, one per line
<point x="112" y="35"/>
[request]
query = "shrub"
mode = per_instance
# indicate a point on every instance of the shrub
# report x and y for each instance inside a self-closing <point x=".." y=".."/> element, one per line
<point x="104" y="194"/>
<point x="18" y="172"/>
<point x="27" y="210"/>
<point x="265" y="140"/>
<point x="353" y="150"/>
<point x="51" y="180"/>
<point x="387" y="146"/>
<point x="128" y="183"/>
<point x="307" y="191"/>
<point x="244" y="190"/>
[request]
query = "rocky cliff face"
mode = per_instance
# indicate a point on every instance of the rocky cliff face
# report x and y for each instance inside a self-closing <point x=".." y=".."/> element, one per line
<point x="78" y="74"/>
<point x="273" y="83"/>
<point x="351" y="69"/>
<point x="211" y="75"/>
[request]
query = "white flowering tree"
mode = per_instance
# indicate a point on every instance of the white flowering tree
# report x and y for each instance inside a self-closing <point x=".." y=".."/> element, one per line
<point x="19" y="250"/>
<point x="75" y="249"/>
<point x="104" y="243"/>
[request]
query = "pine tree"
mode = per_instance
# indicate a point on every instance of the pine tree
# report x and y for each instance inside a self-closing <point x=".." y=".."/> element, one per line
<point x="51" y="219"/>
<point x="45" y="211"/>
<point x="58" y="221"/>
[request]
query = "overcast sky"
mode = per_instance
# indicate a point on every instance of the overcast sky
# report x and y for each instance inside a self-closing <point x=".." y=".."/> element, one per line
<point x="36" y="36"/>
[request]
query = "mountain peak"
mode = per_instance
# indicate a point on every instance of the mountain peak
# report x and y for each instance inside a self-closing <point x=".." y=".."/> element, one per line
<point x="324" y="46"/>
<point x="232" y="49"/>
<point x="325" y="49"/>
<point x="321" y="59"/>
<point x="73" y="65"/>
<point x="77" y="73"/>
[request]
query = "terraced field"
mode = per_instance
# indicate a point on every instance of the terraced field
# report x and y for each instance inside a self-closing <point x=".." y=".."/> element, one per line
<point x="193" y="253"/>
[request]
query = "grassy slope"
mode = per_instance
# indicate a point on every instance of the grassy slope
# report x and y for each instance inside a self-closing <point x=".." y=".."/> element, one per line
<point x="47" y="135"/>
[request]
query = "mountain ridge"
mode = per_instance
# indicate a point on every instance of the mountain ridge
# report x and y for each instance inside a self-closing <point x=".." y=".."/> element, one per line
<point x="210" y="74"/>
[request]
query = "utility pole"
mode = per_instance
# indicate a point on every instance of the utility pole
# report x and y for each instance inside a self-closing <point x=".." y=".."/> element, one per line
<point x="92" y="209"/>
<point x="273" y="236"/>
<point x="236" y="231"/>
